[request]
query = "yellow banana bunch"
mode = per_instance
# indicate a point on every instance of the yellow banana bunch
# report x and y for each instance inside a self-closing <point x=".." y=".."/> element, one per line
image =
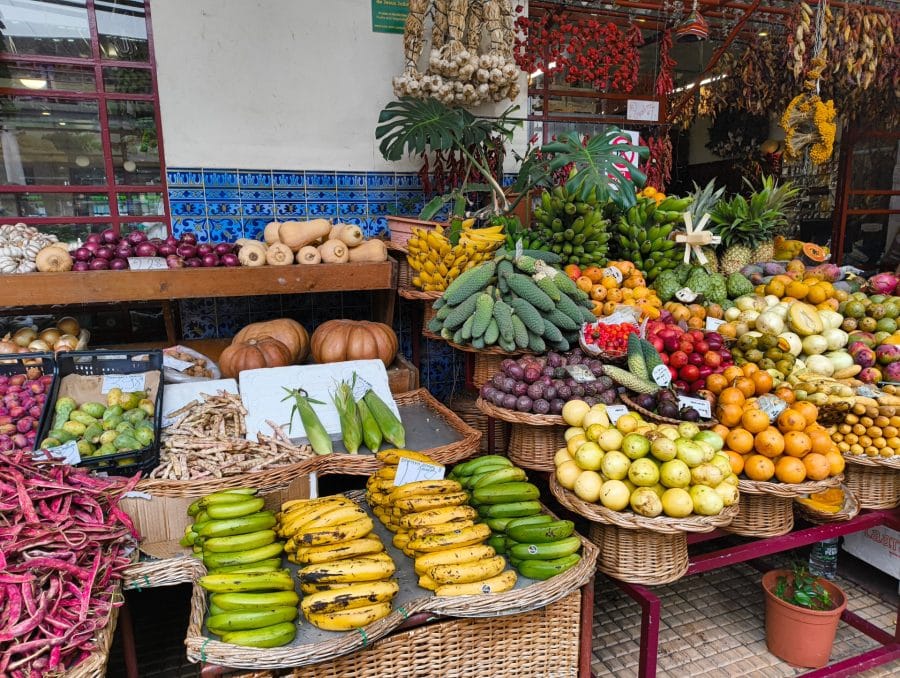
<point x="438" y="263"/>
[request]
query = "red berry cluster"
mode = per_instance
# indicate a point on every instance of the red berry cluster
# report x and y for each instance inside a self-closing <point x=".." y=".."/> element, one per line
<point x="610" y="338"/>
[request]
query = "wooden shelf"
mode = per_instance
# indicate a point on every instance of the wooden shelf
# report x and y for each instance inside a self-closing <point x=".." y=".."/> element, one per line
<point x="50" y="289"/>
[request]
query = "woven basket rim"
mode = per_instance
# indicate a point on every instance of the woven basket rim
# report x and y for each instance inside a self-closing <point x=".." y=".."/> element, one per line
<point x="471" y="349"/>
<point x="849" y="510"/>
<point x="517" y="601"/>
<point x="628" y="520"/>
<point x="413" y="294"/>
<point x="659" y="419"/>
<point x="519" y="417"/>
<point x="788" y="490"/>
<point x="881" y="462"/>
<point x="145" y="574"/>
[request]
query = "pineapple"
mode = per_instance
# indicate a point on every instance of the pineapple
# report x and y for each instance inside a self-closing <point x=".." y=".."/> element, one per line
<point x="748" y="227"/>
<point x="704" y="200"/>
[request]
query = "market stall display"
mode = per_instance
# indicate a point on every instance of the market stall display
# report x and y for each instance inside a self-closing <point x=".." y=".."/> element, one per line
<point x="26" y="384"/>
<point x="64" y="335"/>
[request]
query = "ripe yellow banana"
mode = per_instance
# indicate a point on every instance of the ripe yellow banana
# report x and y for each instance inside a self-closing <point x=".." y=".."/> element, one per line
<point x="346" y="620"/>
<point x="349" y="571"/>
<point x="438" y="516"/>
<point x="466" y="573"/>
<point x="379" y="498"/>
<point x="502" y="582"/>
<point x="349" y="597"/>
<point x="348" y="549"/>
<point x="307" y="589"/>
<point x="294" y="521"/>
<point x="467" y="536"/>
<point x="339" y="516"/>
<point x="439" y="529"/>
<point x="400" y="540"/>
<point x="418" y="504"/>
<point x="424" y="488"/>
<point x="428" y="583"/>
<point x="264" y="581"/>
<point x="392" y="457"/>
<point x="334" y="535"/>
<point x="386" y="473"/>
<point x="383" y="486"/>
<point x="466" y="554"/>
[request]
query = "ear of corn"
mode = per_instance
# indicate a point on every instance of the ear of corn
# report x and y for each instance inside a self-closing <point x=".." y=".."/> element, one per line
<point x="315" y="432"/>
<point x="351" y="426"/>
<point x="371" y="432"/>
<point x="391" y="427"/>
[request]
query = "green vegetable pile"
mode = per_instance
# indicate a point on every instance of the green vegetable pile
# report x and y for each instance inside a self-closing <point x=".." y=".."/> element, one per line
<point x="715" y="288"/>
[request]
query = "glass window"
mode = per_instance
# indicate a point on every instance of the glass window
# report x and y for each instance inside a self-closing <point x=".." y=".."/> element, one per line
<point x="41" y="77"/>
<point x="54" y="204"/>
<point x="122" y="27"/>
<point x="133" y="142"/>
<point x="127" y="80"/>
<point x="141" y="204"/>
<point x="47" y="28"/>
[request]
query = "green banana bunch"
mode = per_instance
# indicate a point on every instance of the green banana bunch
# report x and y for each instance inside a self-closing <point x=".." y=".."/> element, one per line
<point x="643" y="235"/>
<point x="569" y="226"/>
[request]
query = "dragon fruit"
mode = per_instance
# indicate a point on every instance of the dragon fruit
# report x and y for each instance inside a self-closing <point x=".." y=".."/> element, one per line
<point x="883" y="283"/>
<point x="828" y="272"/>
<point x="887" y="354"/>
<point x="870" y="375"/>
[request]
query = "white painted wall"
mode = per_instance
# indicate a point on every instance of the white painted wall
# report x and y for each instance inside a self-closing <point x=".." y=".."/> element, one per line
<point x="282" y="84"/>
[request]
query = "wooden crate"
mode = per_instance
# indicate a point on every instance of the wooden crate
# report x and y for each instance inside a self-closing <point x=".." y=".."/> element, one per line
<point x="402" y="375"/>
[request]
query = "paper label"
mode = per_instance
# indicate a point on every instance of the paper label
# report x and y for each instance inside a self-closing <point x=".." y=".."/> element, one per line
<point x="623" y="314"/>
<point x="360" y="388"/>
<point x="175" y="363"/>
<point x="614" y="273"/>
<point x="771" y="405"/>
<point x="580" y="373"/>
<point x="127" y="382"/>
<point x="615" y="411"/>
<point x="713" y="324"/>
<point x="411" y="471"/>
<point x="67" y="452"/>
<point x="642" y="109"/>
<point x="519" y="248"/>
<point x="702" y="406"/>
<point x="661" y="375"/>
<point x="147" y="263"/>
<point x="137" y="495"/>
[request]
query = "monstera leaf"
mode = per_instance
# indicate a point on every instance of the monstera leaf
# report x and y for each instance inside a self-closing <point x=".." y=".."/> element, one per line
<point x="597" y="166"/>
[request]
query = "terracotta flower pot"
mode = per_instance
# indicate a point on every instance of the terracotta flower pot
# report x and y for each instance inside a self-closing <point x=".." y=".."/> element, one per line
<point x="797" y="635"/>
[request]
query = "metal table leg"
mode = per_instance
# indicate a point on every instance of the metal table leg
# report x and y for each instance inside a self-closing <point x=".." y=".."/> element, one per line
<point x="126" y="631"/>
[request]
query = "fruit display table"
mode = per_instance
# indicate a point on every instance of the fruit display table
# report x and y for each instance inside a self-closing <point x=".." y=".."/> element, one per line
<point x="123" y="287"/>
<point x="651" y="611"/>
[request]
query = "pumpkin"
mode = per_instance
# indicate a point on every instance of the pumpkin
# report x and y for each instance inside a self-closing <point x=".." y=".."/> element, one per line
<point x="253" y="354"/>
<point x="338" y="340"/>
<point x="289" y="332"/>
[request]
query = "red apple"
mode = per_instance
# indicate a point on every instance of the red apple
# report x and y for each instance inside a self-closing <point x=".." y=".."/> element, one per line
<point x="678" y="359"/>
<point x="697" y="385"/>
<point x="695" y="359"/>
<point x="689" y="373"/>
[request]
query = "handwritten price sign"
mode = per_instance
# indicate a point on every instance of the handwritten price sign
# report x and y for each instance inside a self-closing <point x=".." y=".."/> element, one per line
<point x="411" y="471"/>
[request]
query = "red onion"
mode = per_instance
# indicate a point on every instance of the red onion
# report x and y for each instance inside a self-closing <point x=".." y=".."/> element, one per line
<point x="171" y="240"/>
<point x="94" y="237"/>
<point x="205" y="248"/>
<point x="92" y="246"/>
<point x="209" y="260"/>
<point x="104" y="252"/>
<point x="186" y="251"/>
<point x="99" y="264"/>
<point x="156" y="241"/>
<point x="193" y="262"/>
<point x="109" y="236"/>
<point x="165" y="249"/>
<point x="82" y="265"/>
<point x="189" y="239"/>
<point x="224" y="248"/>
<point x="118" y="264"/>
<point x="174" y="261"/>
<point x="83" y="254"/>
<point x="145" y="249"/>
<point x="136" y="237"/>
<point x="123" y="250"/>
<point x="230" y="260"/>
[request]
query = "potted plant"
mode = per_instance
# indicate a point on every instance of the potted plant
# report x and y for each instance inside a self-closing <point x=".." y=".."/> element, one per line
<point x="419" y="126"/>
<point x="802" y="614"/>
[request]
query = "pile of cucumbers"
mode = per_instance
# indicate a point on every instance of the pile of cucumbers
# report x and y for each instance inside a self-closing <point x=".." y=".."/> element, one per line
<point x="536" y="544"/>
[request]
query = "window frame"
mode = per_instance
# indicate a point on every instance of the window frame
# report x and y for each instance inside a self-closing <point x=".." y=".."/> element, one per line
<point x="111" y="189"/>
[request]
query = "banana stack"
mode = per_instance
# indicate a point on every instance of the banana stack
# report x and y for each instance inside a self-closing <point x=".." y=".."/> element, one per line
<point x="252" y="600"/>
<point x="537" y="545"/>
<point x="433" y="524"/>
<point x="437" y="262"/>
<point x="346" y="578"/>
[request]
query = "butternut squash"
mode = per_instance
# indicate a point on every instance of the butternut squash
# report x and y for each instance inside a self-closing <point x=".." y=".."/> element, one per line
<point x="334" y="252"/>
<point x="252" y="254"/>
<point x="270" y="233"/>
<point x="297" y="234"/>
<point x="371" y="250"/>
<point x="309" y="255"/>
<point x="351" y="235"/>
<point x="279" y="254"/>
<point x="54" y="259"/>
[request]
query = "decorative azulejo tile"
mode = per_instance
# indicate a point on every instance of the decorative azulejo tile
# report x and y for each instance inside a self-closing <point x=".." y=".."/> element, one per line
<point x="181" y="193"/>
<point x="254" y="179"/>
<point x="314" y="194"/>
<point x="250" y="194"/>
<point x="230" y="323"/>
<point x="381" y="208"/>
<point x="184" y="177"/>
<point x="321" y="180"/>
<point x="223" y="209"/>
<point x="258" y="209"/>
<point x="381" y="196"/>
<point x="356" y="221"/>
<point x="375" y="226"/>
<point x="196" y="226"/>
<point x="351" y="195"/>
<point x="193" y="208"/>
<point x="380" y="181"/>
<point x="322" y="210"/>
<point x="292" y="195"/>
<point x="352" y="208"/>
<point x="351" y="180"/>
<point x="290" y="209"/>
<point x="253" y="228"/>
<point x="407" y="180"/>
<point x="288" y="179"/>
<point x="217" y="177"/>
<point x="220" y="194"/>
<point x="225" y="230"/>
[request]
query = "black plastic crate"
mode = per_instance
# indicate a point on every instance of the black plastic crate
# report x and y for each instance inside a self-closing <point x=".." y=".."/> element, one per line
<point x="29" y="364"/>
<point x="101" y="362"/>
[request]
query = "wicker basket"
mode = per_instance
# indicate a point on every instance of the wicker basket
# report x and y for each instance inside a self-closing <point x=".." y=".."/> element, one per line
<point x="95" y="664"/>
<point x="635" y="548"/>
<point x="149" y="574"/>
<point x="849" y="510"/>
<point x="464" y="404"/>
<point x="519" y="645"/>
<point x="659" y="419"/>
<point x="533" y="438"/>
<point x="875" y="482"/>
<point x="767" y="509"/>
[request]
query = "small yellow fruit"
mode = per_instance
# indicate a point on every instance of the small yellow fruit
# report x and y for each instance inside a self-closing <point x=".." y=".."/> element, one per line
<point x="588" y="486"/>
<point x="567" y="473"/>
<point x="614" y="495"/>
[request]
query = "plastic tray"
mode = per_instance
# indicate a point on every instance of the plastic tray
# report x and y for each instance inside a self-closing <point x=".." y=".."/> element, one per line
<point x="99" y="363"/>
<point x="16" y="364"/>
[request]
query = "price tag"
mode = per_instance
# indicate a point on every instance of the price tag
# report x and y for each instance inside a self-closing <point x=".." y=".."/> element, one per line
<point x="128" y="383"/>
<point x="519" y="248"/>
<point x="699" y="404"/>
<point x="772" y="405"/>
<point x="411" y="471"/>
<point x="661" y="375"/>
<point x="614" y="273"/>
<point x="615" y="411"/>
<point x="175" y="363"/>
<point x="713" y="324"/>
<point x="580" y="373"/>
<point x="67" y="452"/>
<point x="360" y="387"/>
<point x="147" y="263"/>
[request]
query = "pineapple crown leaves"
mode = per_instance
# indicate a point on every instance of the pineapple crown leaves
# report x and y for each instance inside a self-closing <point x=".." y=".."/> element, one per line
<point x="739" y="221"/>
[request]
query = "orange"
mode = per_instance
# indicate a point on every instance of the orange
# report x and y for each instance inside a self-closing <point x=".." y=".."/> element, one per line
<point x="821" y="442"/>
<point x="817" y="466"/>
<point x="729" y="415"/>
<point x="737" y="461"/>
<point x="695" y="323"/>
<point x="769" y="442"/>
<point x="786" y="393"/>
<point x="791" y="420"/>
<point x="836" y="462"/>
<point x="757" y="467"/>
<point x="763" y="382"/>
<point x="790" y="470"/>
<point x="732" y="372"/>
<point x="716" y="383"/>
<point x="745" y="385"/>
<point x="721" y="430"/>
<point x="749" y="369"/>
<point x="584" y="283"/>
<point x="732" y="396"/>
<point x="755" y="420"/>
<point x="740" y="440"/>
<point x="817" y="294"/>
<point x="809" y="411"/>
<point x="797" y="444"/>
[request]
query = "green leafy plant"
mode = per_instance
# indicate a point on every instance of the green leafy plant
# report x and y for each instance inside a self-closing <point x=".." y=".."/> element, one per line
<point x="803" y="589"/>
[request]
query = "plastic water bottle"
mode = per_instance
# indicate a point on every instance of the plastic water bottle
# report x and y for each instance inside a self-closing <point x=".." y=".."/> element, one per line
<point x="823" y="558"/>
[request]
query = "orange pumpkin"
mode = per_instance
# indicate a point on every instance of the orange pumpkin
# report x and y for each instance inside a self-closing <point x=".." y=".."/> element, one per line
<point x="289" y="332"/>
<point x="338" y="340"/>
<point x="253" y="354"/>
